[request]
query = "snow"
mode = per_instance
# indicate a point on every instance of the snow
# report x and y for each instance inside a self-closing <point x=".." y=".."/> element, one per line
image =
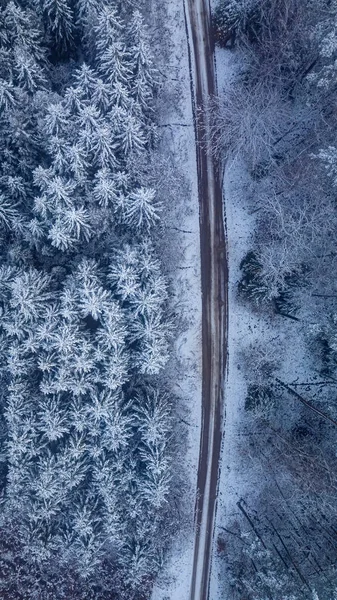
<point x="183" y="223"/>
<point x="174" y="582"/>
<point x="240" y="477"/>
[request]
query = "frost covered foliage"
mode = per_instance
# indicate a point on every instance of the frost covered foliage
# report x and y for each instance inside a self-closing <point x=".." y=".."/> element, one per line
<point x="324" y="74"/>
<point x="285" y="175"/>
<point x="231" y="14"/>
<point x="328" y="156"/>
<point x="281" y="128"/>
<point x="87" y="135"/>
<point x="85" y="423"/>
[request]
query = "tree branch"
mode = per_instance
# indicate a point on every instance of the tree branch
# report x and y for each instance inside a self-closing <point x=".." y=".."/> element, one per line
<point x="305" y="402"/>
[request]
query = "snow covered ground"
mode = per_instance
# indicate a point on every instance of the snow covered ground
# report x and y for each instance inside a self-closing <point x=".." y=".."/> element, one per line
<point x="174" y="583"/>
<point x="240" y="477"/>
<point x="183" y="221"/>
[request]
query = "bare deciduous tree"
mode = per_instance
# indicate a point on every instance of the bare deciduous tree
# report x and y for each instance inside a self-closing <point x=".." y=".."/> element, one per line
<point x="248" y="121"/>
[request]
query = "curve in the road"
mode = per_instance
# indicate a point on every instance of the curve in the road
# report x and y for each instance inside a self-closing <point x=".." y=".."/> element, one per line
<point x="214" y="278"/>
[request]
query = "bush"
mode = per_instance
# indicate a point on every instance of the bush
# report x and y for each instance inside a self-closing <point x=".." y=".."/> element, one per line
<point x="259" y="399"/>
<point x="231" y="15"/>
<point x="257" y="287"/>
<point x="251" y="285"/>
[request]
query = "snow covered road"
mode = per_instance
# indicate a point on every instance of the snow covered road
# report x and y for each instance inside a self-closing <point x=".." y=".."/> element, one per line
<point x="214" y="277"/>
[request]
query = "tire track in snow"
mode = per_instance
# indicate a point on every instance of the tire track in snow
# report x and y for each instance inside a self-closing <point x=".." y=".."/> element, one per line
<point x="214" y="278"/>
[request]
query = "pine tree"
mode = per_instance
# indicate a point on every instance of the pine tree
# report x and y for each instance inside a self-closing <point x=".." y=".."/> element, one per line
<point x="114" y="65"/>
<point x="131" y="135"/>
<point x="59" y="20"/>
<point x="144" y="74"/>
<point x="108" y="29"/>
<point x="106" y="191"/>
<point x="85" y="82"/>
<point x="20" y="29"/>
<point x="56" y="119"/>
<point x="8" y="98"/>
<point x="27" y="72"/>
<point x="8" y="212"/>
<point x="139" y="208"/>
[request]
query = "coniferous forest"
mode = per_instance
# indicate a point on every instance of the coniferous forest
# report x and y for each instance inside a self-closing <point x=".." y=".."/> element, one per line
<point x="85" y="421"/>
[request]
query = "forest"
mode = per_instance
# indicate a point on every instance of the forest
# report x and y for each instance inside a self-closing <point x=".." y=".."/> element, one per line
<point x="92" y="458"/>
<point x="86" y="420"/>
<point x="277" y="121"/>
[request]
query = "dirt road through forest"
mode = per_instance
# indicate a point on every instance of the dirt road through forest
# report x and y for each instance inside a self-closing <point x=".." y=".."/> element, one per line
<point x="214" y="277"/>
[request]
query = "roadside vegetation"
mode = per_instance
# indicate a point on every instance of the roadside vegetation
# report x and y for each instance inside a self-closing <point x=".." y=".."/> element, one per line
<point x="278" y="118"/>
